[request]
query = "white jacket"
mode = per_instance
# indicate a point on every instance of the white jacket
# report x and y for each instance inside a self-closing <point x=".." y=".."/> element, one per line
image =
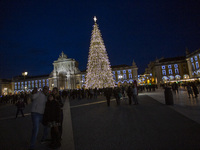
<point x="39" y="102"/>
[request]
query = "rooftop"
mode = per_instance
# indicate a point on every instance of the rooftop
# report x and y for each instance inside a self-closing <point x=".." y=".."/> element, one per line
<point x="172" y="59"/>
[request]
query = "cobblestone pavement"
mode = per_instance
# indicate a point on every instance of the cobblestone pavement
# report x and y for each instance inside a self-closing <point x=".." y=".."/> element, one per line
<point x="189" y="107"/>
<point x="149" y="125"/>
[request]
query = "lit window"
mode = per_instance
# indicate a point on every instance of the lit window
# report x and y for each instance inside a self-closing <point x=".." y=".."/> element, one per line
<point x="120" y="77"/>
<point x="164" y="72"/>
<point x="124" y="76"/>
<point x="177" y="77"/>
<point x="186" y="76"/>
<point x="193" y="67"/>
<point x="195" y="58"/>
<point x="197" y="65"/>
<point x="118" y="72"/>
<point x="169" y="66"/>
<point x="22" y="85"/>
<point x="163" y="67"/>
<point x="36" y="85"/>
<point x="130" y="76"/>
<point x="129" y="71"/>
<point x="170" y="71"/>
<point x="176" y="71"/>
<point x="43" y="83"/>
<point x="171" y="77"/>
<point x="15" y="85"/>
<point x="124" y="71"/>
<point x="191" y="59"/>
<point x="47" y="82"/>
<point x="165" y="78"/>
<point x="40" y="83"/>
<point x="176" y="66"/>
<point x="29" y="84"/>
<point x="32" y="84"/>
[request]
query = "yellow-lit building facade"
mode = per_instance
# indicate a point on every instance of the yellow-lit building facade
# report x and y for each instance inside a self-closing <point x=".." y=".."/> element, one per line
<point x="193" y="61"/>
<point x="165" y="70"/>
<point x="5" y="86"/>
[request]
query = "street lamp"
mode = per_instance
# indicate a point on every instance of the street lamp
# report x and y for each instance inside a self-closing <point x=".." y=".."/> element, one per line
<point x="24" y="74"/>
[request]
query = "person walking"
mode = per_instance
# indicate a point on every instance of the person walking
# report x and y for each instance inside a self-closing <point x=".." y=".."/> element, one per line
<point x="20" y="107"/>
<point x="189" y="90"/>
<point x="135" y="93"/>
<point x="176" y="87"/>
<point x="52" y="119"/>
<point x="108" y="93"/>
<point x="117" y="95"/>
<point x="38" y="105"/>
<point x="195" y="90"/>
<point x="58" y="98"/>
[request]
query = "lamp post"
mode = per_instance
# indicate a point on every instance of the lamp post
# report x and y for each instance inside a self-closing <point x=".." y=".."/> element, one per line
<point x="24" y="74"/>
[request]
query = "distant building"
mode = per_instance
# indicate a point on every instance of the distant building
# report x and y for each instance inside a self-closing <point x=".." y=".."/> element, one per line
<point x="193" y="61"/>
<point x="168" y="69"/>
<point x="65" y="75"/>
<point x="123" y="74"/>
<point x="28" y="83"/>
<point x="5" y="86"/>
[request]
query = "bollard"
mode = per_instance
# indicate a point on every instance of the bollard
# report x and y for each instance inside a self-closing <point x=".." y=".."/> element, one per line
<point x="168" y="96"/>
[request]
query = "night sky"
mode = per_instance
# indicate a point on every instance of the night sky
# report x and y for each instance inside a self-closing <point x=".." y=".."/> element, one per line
<point x="33" y="33"/>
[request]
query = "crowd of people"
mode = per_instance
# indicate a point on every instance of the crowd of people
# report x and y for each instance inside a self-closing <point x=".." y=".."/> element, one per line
<point x="47" y="106"/>
<point x="191" y="87"/>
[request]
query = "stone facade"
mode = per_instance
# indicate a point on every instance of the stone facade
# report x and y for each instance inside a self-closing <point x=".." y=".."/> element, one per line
<point x="65" y="75"/>
<point x="193" y="61"/>
<point x="168" y="69"/>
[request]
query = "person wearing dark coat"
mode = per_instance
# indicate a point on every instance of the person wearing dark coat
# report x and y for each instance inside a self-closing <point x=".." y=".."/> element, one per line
<point x="130" y="94"/>
<point x="117" y="93"/>
<point x="20" y="107"/>
<point x="58" y="98"/>
<point x="52" y="118"/>
<point x="108" y="93"/>
<point x="195" y="90"/>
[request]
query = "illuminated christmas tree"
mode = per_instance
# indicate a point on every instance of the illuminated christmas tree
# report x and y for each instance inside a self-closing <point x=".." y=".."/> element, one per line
<point x="99" y="73"/>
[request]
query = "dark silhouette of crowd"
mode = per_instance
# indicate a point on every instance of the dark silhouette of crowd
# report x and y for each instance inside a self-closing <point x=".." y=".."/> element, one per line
<point x="13" y="99"/>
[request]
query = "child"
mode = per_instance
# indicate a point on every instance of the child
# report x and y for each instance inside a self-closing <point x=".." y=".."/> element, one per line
<point x="52" y="118"/>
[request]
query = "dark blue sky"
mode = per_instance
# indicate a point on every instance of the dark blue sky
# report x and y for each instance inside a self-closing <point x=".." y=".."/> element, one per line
<point x="33" y="33"/>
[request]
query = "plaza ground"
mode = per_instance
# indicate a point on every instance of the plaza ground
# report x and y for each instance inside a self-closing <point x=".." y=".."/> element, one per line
<point x="90" y="125"/>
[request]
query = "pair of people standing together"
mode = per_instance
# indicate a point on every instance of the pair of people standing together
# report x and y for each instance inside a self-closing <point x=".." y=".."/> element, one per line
<point x="132" y="92"/>
<point x="47" y="109"/>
